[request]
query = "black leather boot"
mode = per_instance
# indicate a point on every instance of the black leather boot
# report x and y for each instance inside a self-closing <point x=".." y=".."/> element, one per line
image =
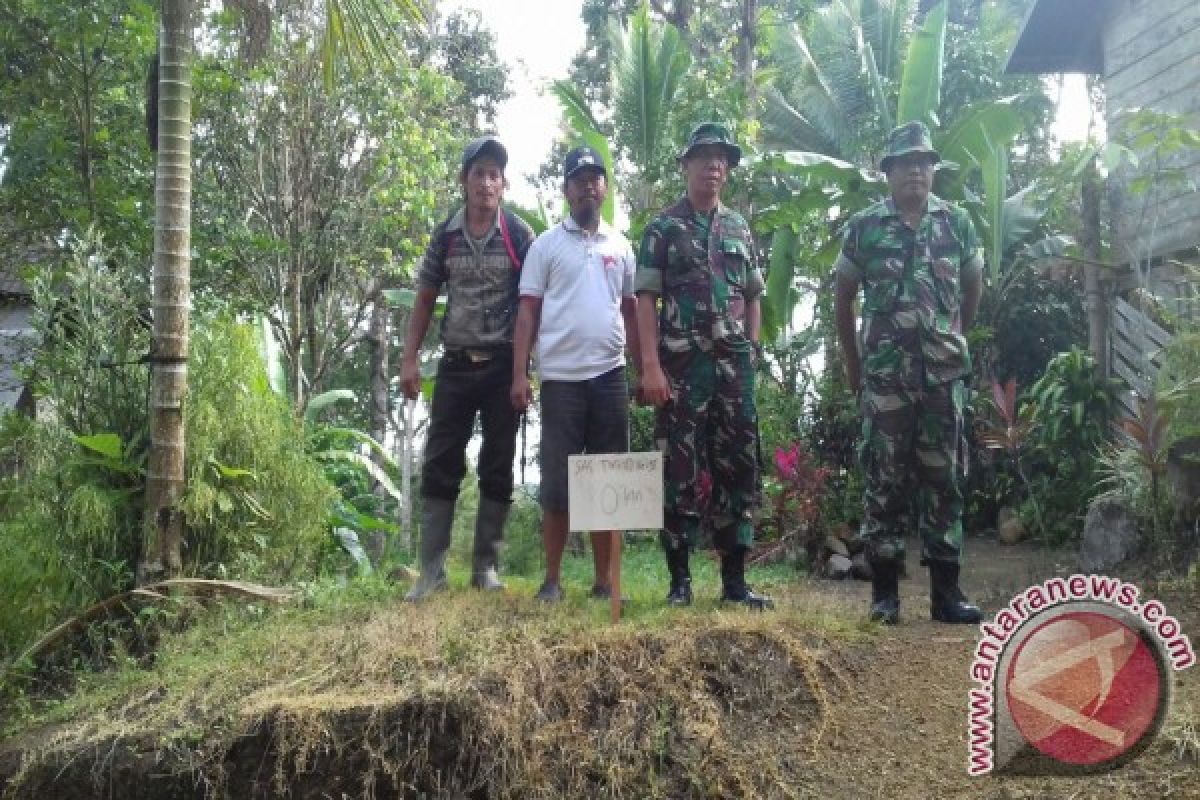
<point x="681" y="576"/>
<point x="885" y="591"/>
<point x="947" y="603"/>
<point x="733" y="582"/>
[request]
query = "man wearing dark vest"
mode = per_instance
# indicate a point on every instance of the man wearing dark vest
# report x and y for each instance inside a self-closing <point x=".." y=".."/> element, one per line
<point x="476" y="254"/>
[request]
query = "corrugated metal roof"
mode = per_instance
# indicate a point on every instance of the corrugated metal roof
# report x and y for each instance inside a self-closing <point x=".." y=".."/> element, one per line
<point x="1061" y="36"/>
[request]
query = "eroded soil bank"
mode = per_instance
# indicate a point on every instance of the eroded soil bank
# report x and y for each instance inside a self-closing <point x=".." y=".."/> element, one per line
<point x="479" y="699"/>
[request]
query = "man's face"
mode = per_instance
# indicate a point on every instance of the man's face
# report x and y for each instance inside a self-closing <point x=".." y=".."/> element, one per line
<point x="585" y="191"/>
<point x="705" y="169"/>
<point x="910" y="178"/>
<point x="484" y="183"/>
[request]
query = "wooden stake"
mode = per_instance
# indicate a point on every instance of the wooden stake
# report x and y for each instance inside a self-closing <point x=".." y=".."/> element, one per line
<point x="614" y="575"/>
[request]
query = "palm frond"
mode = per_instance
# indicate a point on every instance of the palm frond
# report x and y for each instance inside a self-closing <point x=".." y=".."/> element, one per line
<point x="882" y="106"/>
<point x="156" y="592"/>
<point x="650" y="62"/>
<point x="786" y="128"/>
<point x="364" y="31"/>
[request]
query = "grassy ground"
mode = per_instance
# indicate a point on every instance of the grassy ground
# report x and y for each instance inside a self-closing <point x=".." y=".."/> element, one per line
<point x="350" y="692"/>
<point x="461" y="692"/>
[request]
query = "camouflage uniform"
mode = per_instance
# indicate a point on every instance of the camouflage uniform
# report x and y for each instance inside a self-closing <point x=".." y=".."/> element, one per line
<point x="703" y="268"/>
<point x="914" y="359"/>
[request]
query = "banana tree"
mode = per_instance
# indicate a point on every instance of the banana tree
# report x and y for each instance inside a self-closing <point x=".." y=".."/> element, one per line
<point x="833" y="111"/>
<point x="801" y="188"/>
<point x="363" y="30"/>
<point x="835" y="102"/>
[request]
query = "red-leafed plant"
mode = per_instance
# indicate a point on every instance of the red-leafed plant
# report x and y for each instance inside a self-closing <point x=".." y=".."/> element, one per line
<point x="1011" y="435"/>
<point x="1146" y="434"/>
<point x="796" y="496"/>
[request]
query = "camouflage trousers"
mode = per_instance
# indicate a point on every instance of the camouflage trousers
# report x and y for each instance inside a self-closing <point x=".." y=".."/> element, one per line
<point x="914" y="462"/>
<point x="709" y="437"/>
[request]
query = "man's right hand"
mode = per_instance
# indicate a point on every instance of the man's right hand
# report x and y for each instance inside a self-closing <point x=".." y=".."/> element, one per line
<point x="656" y="391"/>
<point x="410" y="380"/>
<point x="521" y="393"/>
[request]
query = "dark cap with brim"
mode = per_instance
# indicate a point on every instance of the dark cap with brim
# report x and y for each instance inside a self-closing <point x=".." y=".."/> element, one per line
<point x="484" y="146"/>
<point x="583" y="157"/>
<point x="713" y="133"/>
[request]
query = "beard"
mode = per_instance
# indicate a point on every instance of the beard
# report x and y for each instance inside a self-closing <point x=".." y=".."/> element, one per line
<point x="586" y="213"/>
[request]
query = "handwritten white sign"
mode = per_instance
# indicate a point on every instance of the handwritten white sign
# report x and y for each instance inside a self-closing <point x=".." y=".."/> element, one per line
<point x="615" y="492"/>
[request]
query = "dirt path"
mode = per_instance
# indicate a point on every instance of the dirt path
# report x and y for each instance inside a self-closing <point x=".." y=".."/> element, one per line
<point x="899" y="731"/>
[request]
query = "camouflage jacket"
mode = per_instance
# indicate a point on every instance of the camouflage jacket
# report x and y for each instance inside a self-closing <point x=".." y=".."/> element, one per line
<point x="912" y="329"/>
<point x="703" y="267"/>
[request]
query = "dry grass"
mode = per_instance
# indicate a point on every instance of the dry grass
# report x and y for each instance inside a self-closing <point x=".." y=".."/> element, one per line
<point x="471" y="696"/>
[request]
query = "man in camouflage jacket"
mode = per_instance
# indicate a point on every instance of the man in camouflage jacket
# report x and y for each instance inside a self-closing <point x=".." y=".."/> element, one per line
<point x="698" y="356"/>
<point x="918" y="263"/>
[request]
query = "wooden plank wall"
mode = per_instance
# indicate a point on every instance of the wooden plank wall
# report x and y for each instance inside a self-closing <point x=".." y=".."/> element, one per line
<point x="1175" y="284"/>
<point x="1152" y="60"/>
<point x="1136" y="345"/>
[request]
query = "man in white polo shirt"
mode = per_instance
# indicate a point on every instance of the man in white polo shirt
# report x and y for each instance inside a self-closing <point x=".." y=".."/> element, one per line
<point x="577" y="302"/>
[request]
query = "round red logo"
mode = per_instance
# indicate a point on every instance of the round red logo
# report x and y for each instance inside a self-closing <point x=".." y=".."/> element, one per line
<point x="1085" y="688"/>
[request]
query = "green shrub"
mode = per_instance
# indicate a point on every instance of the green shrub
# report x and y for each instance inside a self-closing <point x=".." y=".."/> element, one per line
<point x="1073" y="411"/>
<point x="71" y="515"/>
<point x="523" y="551"/>
<point x="257" y="503"/>
<point x="1178" y="386"/>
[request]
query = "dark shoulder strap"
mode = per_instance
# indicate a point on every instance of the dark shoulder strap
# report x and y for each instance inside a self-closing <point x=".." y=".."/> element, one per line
<point x="444" y="240"/>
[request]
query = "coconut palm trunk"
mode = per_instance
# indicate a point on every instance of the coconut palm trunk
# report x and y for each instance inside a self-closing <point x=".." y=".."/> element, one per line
<point x="171" y="296"/>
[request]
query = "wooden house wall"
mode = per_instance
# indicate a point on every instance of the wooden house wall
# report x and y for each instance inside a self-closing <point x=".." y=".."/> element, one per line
<point x="1152" y="60"/>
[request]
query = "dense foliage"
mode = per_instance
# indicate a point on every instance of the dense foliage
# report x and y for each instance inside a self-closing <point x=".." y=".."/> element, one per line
<point x="72" y="524"/>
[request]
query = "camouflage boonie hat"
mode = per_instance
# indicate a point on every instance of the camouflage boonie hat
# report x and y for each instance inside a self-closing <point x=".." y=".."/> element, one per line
<point x="911" y="137"/>
<point x="713" y="133"/>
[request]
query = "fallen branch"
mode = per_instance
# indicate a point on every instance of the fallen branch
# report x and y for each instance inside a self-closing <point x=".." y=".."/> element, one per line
<point x="192" y="587"/>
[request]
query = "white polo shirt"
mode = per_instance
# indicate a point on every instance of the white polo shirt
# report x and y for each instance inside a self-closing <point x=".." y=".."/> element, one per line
<point x="581" y="278"/>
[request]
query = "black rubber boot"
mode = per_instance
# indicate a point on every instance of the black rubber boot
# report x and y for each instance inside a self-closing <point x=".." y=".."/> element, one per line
<point x="885" y="591"/>
<point x="947" y="603"/>
<point x="437" y="519"/>
<point x="681" y="576"/>
<point x="733" y="582"/>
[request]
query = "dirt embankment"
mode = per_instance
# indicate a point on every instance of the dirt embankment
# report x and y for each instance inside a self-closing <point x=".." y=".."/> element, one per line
<point x="726" y="711"/>
<point x="484" y="700"/>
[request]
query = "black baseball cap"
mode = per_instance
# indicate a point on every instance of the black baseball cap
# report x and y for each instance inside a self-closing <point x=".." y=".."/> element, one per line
<point x="583" y="157"/>
<point x="484" y="146"/>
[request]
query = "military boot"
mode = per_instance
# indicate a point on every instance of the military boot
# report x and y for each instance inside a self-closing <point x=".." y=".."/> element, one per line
<point x="489" y="533"/>
<point x="885" y="591"/>
<point x="437" y="518"/>
<point x="947" y="603"/>
<point x="681" y="576"/>
<point x="733" y="582"/>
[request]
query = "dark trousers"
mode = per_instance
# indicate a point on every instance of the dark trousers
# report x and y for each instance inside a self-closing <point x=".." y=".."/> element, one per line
<point x="464" y="390"/>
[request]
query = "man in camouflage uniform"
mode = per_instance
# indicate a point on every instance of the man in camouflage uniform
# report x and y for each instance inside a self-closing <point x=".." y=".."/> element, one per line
<point x="698" y="356"/>
<point x="919" y="265"/>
